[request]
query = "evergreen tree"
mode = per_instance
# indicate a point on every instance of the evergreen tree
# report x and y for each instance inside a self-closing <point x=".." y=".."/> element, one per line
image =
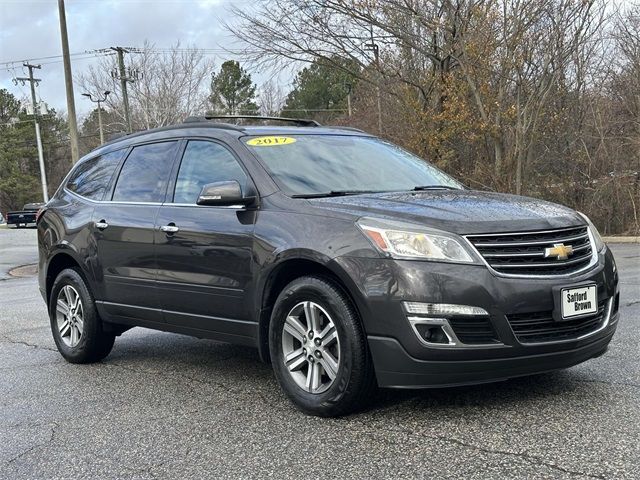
<point x="232" y="91"/>
<point x="320" y="90"/>
<point x="19" y="168"/>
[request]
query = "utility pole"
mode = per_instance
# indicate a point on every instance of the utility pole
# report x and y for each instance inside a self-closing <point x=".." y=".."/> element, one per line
<point x="33" y="82"/>
<point x="99" y="101"/>
<point x="68" y="81"/>
<point x="376" y="53"/>
<point x="349" y="88"/>
<point x="121" y="74"/>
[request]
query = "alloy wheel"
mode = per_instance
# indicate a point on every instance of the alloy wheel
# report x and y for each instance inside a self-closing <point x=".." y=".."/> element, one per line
<point x="311" y="347"/>
<point x="69" y="315"/>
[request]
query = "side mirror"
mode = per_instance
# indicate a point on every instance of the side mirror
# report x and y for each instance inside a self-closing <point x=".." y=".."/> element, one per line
<point x="223" y="194"/>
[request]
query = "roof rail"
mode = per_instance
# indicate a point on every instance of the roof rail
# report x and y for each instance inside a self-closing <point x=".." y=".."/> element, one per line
<point x="301" y="122"/>
<point x="349" y="129"/>
<point x="116" y="136"/>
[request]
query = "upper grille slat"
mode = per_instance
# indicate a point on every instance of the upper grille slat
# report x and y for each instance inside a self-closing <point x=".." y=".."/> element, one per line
<point x="523" y="253"/>
<point x="546" y="264"/>
<point x="564" y="240"/>
<point x="529" y="254"/>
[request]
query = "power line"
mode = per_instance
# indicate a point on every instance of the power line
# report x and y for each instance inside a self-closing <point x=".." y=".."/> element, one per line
<point x="75" y="56"/>
<point x="106" y="52"/>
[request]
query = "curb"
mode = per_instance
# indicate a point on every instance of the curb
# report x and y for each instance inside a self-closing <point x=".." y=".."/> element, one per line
<point x="621" y="239"/>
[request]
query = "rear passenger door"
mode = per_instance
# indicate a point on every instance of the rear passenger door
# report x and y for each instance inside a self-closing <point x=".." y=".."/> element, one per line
<point x="123" y="229"/>
<point x="88" y="184"/>
<point x="204" y="264"/>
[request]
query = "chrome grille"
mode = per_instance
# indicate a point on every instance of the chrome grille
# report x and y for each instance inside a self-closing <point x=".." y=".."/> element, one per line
<point x="523" y="253"/>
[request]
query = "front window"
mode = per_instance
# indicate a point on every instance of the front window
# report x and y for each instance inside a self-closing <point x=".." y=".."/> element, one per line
<point x="316" y="165"/>
<point x="202" y="163"/>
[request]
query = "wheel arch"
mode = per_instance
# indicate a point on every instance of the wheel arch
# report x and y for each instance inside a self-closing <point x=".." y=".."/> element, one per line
<point x="60" y="261"/>
<point x="284" y="272"/>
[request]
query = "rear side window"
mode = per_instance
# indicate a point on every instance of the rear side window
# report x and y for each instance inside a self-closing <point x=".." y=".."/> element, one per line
<point x="91" y="178"/>
<point x="202" y="163"/>
<point x="145" y="173"/>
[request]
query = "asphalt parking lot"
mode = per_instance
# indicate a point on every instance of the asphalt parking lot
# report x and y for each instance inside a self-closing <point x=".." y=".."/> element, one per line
<point x="169" y="406"/>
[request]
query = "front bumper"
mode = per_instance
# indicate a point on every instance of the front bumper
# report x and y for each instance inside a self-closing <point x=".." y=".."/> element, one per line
<point x="395" y="368"/>
<point x="401" y="359"/>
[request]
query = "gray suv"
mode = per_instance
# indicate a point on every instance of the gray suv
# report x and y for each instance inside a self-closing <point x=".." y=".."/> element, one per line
<point x="348" y="262"/>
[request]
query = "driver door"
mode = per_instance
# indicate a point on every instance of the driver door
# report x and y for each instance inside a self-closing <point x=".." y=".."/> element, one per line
<point x="204" y="258"/>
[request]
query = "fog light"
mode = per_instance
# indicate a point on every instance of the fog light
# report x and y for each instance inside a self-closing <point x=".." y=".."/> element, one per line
<point x="433" y="333"/>
<point x="442" y="309"/>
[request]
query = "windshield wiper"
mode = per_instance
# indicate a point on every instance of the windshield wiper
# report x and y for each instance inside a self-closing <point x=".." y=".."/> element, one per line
<point x="333" y="193"/>
<point x="434" y="187"/>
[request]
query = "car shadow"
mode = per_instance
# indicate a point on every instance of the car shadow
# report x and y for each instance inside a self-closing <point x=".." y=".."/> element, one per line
<point x="205" y="359"/>
<point x="529" y="389"/>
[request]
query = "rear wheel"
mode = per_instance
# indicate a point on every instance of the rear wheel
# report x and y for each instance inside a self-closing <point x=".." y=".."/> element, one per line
<point x="75" y="324"/>
<point x="318" y="349"/>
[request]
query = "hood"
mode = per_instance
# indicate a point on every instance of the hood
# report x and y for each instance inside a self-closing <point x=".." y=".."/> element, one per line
<point x="459" y="211"/>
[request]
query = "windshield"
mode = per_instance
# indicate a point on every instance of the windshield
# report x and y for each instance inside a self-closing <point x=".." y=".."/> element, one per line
<point x="326" y="164"/>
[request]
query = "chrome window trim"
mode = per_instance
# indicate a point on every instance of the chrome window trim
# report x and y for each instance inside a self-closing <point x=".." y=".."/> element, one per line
<point x="115" y="202"/>
<point x="592" y="263"/>
<point x="118" y="202"/>
<point x="225" y="207"/>
<point x="605" y="324"/>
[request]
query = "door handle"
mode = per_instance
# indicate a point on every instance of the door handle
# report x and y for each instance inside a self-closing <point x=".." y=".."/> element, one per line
<point x="169" y="229"/>
<point x="101" y="225"/>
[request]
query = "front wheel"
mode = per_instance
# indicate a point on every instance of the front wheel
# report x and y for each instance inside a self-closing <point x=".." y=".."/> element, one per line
<point x="318" y="348"/>
<point x="75" y="324"/>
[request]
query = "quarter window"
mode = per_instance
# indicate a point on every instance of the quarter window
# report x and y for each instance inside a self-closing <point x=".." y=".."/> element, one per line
<point x="91" y="178"/>
<point x="145" y="173"/>
<point x="203" y="163"/>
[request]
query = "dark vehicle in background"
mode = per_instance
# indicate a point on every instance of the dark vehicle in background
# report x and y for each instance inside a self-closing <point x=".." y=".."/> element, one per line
<point x="27" y="216"/>
<point x="347" y="262"/>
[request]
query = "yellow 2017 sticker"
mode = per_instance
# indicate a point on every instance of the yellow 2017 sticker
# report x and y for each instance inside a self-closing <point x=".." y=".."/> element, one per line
<point x="270" y="141"/>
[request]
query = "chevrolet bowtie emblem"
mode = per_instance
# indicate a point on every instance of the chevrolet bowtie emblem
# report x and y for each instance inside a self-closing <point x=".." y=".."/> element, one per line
<point x="559" y="250"/>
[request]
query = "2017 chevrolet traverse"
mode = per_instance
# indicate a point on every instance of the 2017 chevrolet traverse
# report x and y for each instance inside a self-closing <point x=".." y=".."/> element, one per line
<point x="347" y="261"/>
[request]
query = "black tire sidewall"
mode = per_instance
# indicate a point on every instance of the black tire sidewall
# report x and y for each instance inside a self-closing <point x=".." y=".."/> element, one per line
<point x="86" y="348"/>
<point x="329" y="297"/>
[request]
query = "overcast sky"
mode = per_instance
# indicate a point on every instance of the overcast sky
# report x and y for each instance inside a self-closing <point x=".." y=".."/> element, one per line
<point x="29" y="29"/>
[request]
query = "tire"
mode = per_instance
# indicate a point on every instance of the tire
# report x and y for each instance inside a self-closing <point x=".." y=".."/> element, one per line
<point x="90" y="343"/>
<point x="353" y="381"/>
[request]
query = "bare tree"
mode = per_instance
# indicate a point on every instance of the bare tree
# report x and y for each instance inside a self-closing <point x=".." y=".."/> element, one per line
<point x="271" y="98"/>
<point x="511" y="53"/>
<point x="172" y="84"/>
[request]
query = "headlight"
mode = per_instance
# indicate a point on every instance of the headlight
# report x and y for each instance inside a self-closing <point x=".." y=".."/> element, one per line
<point x="403" y="241"/>
<point x="594" y="233"/>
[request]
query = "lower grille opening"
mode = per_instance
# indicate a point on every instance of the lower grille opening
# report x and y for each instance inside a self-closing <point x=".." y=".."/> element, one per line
<point x="539" y="327"/>
<point x="473" y="330"/>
